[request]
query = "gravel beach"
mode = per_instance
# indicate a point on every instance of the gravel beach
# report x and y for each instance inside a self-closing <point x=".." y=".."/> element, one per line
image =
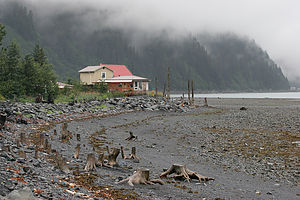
<point x="251" y="147"/>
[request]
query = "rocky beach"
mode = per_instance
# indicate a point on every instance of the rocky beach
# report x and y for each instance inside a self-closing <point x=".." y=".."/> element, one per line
<point x="251" y="147"/>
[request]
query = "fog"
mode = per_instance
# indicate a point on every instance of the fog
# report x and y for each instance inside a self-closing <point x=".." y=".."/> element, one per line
<point x="273" y="24"/>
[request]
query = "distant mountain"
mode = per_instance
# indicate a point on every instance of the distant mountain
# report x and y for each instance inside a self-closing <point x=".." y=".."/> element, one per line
<point x="215" y="62"/>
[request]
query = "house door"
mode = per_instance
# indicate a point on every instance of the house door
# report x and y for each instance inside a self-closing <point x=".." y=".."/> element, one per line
<point x="136" y="85"/>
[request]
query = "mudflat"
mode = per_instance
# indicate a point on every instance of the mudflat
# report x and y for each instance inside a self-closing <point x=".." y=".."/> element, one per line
<point x="253" y="153"/>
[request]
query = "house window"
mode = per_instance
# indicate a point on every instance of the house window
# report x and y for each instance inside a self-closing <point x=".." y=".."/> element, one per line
<point x="120" y="84"/>
<point x="103" y="75"/>
<point x="135" y="84"/>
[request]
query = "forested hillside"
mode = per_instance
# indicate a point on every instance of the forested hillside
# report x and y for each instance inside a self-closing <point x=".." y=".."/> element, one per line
<point x="214" y="62"/>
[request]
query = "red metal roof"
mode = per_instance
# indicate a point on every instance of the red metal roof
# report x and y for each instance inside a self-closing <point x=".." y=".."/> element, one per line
<point x="119" y="70"/>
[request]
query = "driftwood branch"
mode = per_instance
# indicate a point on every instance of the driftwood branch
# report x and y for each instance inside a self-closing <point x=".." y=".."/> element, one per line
<point x="183" y="173"/>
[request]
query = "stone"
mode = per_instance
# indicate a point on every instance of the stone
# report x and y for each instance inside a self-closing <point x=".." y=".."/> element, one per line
<point x="21" y="194"/>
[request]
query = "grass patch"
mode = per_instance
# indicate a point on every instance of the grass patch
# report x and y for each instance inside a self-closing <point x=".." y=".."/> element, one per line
<point x="87" y="96"/>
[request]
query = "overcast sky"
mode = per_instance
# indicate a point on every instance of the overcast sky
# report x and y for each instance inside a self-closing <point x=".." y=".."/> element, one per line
<point x="273" y="24"/>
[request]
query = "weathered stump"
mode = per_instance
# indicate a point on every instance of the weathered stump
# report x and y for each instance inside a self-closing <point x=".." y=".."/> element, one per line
<point x="2" y="120"/>
<point x="22" y="154"/>
<point x="65" y="134"/>
<point x="183" y="173"/>
<point x="77" y="151"/>
<point x="112" y="158"/>
<point x="131" y="136"/>
<point x="90" y="163"/>
<point x="78" y="137"/>
<point x="61" y="164"/>
<point x="36" y="152"/>
<point x="100" y="160"/>
<point x="131" y="156"/>
<point x="141" y="176"/>
<point x="22" y="138"/>
<point x="42" y="140"/>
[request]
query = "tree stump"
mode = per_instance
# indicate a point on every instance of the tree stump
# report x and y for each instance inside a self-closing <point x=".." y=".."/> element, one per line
<point x="141" y="176"/>
<point x="183" y="173"/>
<point x="131" y="136"/>
<point x="36" y="152"/>
<point x="100" y="160"/>
<point x="2" y="120"/>
<point x="61" y="164"/>
<point x="77" y="151"/>
<point x="107" y="149"/>
<point x="65" y="134"/>
<point x="78" y="137"/>
<point x="22" y="154"/>
<point x="131" y="156"/>
<point x="46" y="145"/>
<point x="42" y="140"/>
<point x="90" y="163"/>
<point x="22" y="138"/>
<point x="112" y="158"/>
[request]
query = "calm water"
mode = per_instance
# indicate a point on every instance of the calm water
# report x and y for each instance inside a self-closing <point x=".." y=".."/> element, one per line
<point x="277" y="95"/>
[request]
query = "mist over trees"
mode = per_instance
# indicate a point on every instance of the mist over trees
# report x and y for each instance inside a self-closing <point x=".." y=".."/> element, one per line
<point x="214" y="62"/>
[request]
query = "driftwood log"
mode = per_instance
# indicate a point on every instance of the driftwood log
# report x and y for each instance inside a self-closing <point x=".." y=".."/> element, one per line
<point x="131" y="156"/>
<point x="131" y="136"/>
<point x="90" y="163"/>
<point x="141" y="176"/>
<point x="77" y="151"/>
<point x="183" y="173"/>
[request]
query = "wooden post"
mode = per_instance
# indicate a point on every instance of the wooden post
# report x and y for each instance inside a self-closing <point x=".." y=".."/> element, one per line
<point x="193" y="92"/>
<point x="169" y="84"/>
<point x="189" y="94"/>
<point x="164" y="90"/>
<point x="156" y="86"/>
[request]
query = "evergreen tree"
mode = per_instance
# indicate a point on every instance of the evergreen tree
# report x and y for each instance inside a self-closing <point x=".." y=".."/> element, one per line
<point x="2" y="33"/>
<point x="46" y="79"/>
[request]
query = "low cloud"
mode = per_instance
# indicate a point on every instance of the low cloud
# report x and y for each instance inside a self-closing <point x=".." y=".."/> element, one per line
<point x="273" y="24"/>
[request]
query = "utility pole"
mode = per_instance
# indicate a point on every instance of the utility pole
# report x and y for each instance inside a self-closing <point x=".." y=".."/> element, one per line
<point x="189" y="92"/>
<point x="168" y="97"/>
<point x="156" y="86"/>
<point x="192" y="91"/>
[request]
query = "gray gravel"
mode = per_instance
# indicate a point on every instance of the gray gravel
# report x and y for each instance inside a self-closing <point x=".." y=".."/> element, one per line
<point x="252" y="153"/>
